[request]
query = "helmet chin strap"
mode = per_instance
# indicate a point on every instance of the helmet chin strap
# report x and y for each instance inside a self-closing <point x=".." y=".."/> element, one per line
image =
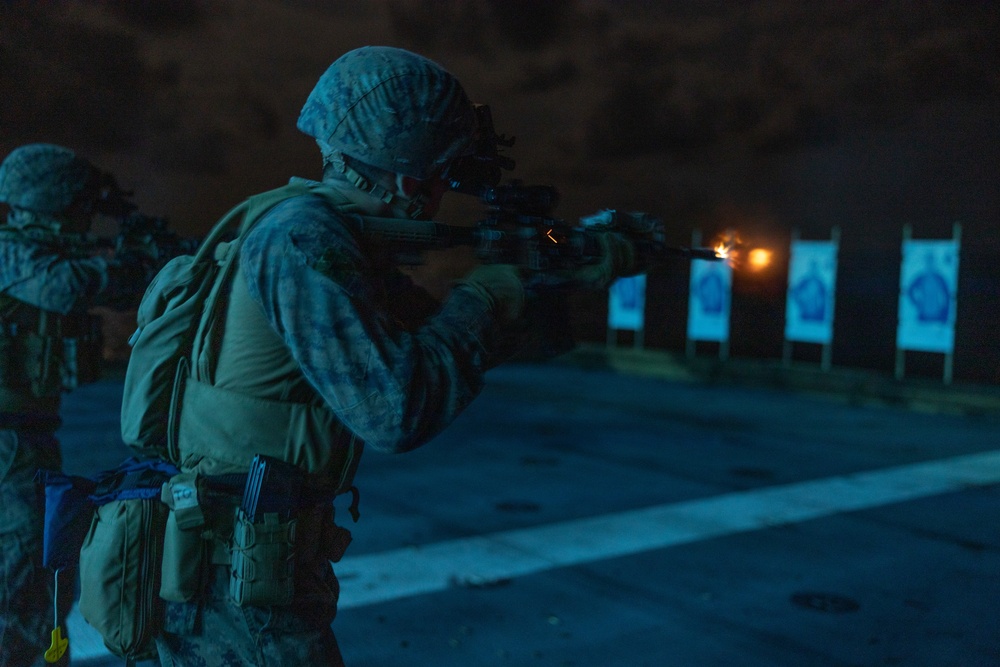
<point x="412" y="207"/>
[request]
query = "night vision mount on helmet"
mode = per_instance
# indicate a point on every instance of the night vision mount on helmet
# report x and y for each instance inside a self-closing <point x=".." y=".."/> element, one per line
<point x="480" y="168"/>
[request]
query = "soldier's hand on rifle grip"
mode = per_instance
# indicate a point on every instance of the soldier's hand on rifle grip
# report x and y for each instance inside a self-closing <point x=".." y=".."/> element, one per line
<point x="139" y="246"/>
<point x="501" y="286"/>
<point x="618" y="258"/>
<point x="613" y="256"/>
<point x="645" y="232"/>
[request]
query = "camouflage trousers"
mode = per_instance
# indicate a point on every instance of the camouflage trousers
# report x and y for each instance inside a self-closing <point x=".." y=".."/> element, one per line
<point x="26" y="587"/>
<point x="217" y="632"/>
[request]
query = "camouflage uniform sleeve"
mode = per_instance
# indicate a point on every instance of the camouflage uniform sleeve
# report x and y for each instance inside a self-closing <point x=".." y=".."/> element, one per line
<point x="412" y="304"/>
<point x="43" y="278"/>
<point x="393" y="386"/>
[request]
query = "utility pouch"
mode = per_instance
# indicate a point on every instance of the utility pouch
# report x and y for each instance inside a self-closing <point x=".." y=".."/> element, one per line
<point x="83" y="351"/>
<point x="334" y="541"/>
<point x="262" y="571"/>
<point x="47" y="352"/>
<point x="120" y="575"/>
<point x="184" y="544"/>
<point x="120" y="557"/>
<point x="42" y="357"/>
<point x="321" y="540"/>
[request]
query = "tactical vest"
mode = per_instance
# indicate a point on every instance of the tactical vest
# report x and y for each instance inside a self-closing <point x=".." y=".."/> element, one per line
<point x="247" y="395"/>
<point x="44" y="353"/>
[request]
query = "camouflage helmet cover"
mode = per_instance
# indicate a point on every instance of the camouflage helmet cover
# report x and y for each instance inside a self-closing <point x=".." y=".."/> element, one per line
<point x="390" y="108"/>
<point x="43" y="177"/>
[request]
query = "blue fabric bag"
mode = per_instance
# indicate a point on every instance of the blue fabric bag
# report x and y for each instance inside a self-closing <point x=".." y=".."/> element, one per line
<point x="68" y="511"/>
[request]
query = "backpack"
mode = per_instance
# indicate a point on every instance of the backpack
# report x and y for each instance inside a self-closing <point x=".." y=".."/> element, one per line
<point x="123" y="553"/>
<point x="175" y="311"/>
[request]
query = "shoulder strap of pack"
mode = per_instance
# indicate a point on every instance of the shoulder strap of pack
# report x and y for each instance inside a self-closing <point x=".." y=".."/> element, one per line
<point x="253" y="209"/>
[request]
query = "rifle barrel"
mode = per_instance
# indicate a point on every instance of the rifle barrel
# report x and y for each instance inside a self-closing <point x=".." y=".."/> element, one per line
<point x="429" y="234"/>
<point x="694" y="253"/>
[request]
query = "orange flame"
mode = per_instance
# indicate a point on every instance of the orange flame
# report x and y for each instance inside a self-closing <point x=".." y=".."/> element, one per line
<point x="726" y="247"/>
<point x="759" y="258"/>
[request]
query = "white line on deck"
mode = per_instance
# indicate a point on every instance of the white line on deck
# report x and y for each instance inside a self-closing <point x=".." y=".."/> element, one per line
<point x="417" y="570"/>
<point x="391" y="575"/>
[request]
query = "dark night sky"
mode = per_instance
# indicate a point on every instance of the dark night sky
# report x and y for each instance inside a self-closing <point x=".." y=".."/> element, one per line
<point x="766" y="115"/>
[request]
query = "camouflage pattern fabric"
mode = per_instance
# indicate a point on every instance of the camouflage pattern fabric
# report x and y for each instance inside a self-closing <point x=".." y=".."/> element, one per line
<point x="348" y="318"/>
<point x="221" y="634"/>
<point x="43" y="177"/>
<point x="26" y="587"/>
<point x="394" y="365"/>
<point x="389" y="108"/>
<point x="38" y="267"/>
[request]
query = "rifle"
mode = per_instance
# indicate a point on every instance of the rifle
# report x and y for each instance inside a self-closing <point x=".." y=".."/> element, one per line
<point x="142" y="246"/>
<point x="138" y="233"/>
<point x="138" y="227"/>
<point x="519" y="227"/>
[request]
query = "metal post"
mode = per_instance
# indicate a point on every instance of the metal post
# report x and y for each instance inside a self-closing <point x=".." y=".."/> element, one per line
<point x="786" y="351"/>
<point x="690" y="345"/>
<point x="827" y="359"/>
<point x="949" y="357"/>
<point x="900" y="353"/>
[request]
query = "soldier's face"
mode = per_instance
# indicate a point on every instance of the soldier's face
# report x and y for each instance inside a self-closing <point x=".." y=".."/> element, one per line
<point x="433" y="190"/>
<point x="430" y="191"/>
<point x="78" y="218"/>
<point x="76" y="223"/>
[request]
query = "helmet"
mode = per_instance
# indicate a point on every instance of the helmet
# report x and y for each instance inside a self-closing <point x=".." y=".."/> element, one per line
<point x="391" y="109"/>
<point x="43" y="177"/>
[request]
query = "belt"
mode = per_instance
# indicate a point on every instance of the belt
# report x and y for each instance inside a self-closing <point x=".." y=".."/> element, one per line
<point x="20" y="399"/>
<point x="40" y="419"/>
<point x="231" y="487"/>
<point x="221" y="510"/>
